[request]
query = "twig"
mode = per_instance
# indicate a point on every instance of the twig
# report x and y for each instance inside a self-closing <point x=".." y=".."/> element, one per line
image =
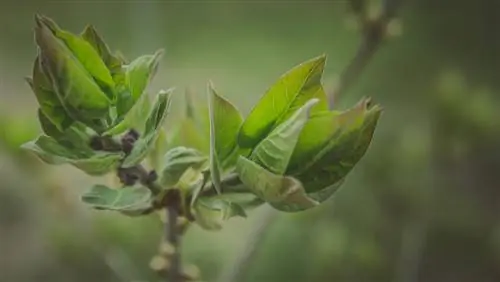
<point x="172" y="233"/>
<point x="239" y="268"/>
<point x="373" y="33"/>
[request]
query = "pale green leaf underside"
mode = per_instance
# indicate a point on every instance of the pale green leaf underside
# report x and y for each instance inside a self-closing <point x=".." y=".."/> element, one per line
<point x="177" y="161"/>
<point x="152" y="130"/>
<point x="284" y="193"/>
<point x="275" y="151"/>
<point x="51" y="152"/>
<point x="211" y="213"/>
<point x="124" y="199"/>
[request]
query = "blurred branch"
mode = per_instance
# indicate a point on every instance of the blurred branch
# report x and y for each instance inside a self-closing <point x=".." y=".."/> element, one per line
<point x="373" y="34"/>
<point x="239" y="268"/>
<point x="413" y="240"/>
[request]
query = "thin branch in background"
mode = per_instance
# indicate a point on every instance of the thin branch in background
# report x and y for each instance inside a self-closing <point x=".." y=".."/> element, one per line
<point x="238" y="270"/>
<point x="373" y="34"/>
<point x="413" y="241"/>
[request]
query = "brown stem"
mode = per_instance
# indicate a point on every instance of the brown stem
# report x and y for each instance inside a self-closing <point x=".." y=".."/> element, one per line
<point x="172" y="234"/>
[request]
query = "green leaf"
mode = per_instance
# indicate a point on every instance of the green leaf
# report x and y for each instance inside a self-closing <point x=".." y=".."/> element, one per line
<point x="290" y="92"/>
<point x="69" y="78"/>
<point x="275" y="151"/>
<point x="284" y="193"/>
<point x="140" y="72"/>
<point x="52" y="152"/>
<point x="225" y="121"/>
<point x="177" y="161"/>
<point x="211" y="213"/>
<point x="152" y="129"/>
<point x="112" y="62"/>
<point x="129" y="199"/>
<point x="338" y="157"/>
<point x="159" y="149"/>
<point x="74" y="138"/>
<point x="135" y="118"/>
<point x="99" y="164"/>
<point x="86" y="54"/>
<point x="48" y="100"/>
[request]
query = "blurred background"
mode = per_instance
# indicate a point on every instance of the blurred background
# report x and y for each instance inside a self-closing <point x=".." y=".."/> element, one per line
<point x="422" y="205"/>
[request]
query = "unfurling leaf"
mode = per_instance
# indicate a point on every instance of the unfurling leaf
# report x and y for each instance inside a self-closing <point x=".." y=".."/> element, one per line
<point x="152" y="128"/>
<point x="290" y="92"/>
<point x="70" y="79"/>
<point x="275" y="151"/>
<point x="52" y="152"/>
<point x="112" y="62"/>
<point x="177" y="161"/>
<point x="140" y="72"/>
<point x="351" y="137"/>
<point x="284" y="193"/>
<point x="225" y="121"/>
<point x="74" y="138"/>
<point x="211" y="213"/>
<point x="135" y="117"/>
<point x="128" y="200"/>
<point x="47" y="98"/>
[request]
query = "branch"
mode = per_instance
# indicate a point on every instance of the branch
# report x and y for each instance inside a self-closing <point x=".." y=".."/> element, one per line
<point x="173" y="205"/>
<point x="373" y="33"/>
<point x="172" y="200"/>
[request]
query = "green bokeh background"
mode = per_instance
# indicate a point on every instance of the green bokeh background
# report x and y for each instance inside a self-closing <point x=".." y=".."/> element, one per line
<point x="422" y="205"/>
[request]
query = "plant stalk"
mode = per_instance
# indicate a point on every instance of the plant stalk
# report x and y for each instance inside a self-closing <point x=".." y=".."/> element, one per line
<point x="174" y="273"/>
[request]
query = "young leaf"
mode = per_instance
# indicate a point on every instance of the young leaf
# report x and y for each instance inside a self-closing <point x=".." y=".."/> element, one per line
<point x="51" y="152"/>
<point x="159" y="150"/>
<point x="99" y="164"/>
<point x="341" y="154"/>
<point x="48" y="100"/>
<point x="225" y="121"/>
<point x="140" y="72"/>
<point x="69" y="78"/>
<point x="73" y="137"/>
<point x="275" y="151"/>
<point x="284" y="193"/>
<point x="135" y="118"/>
<point x="177" y="161"/>
<point x="112" y="62"/>
<point x="211" y="213"/>
<point x="292" y="91"/>
<point x="152" y="129"/>
<point x="85" y="53"/>
<point x="126" y="199"/>
<point x="321" y="129"/>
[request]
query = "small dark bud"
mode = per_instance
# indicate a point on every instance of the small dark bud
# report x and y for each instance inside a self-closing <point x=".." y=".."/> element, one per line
<point x="126" y="177"/>
<point x="152" y="176"/>
<point x="133" y="134"/>
<point x="128" y="141"/>
<point x="127" y="146"/>
<point x="96" y="143"/>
